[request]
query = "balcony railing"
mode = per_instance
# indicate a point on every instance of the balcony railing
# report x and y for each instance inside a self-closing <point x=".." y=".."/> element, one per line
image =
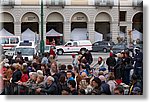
<point x="7" y="2"/>
<point x="137" y="3"/>
<point x="55" y="3"/>
<point x="103" y="3"/>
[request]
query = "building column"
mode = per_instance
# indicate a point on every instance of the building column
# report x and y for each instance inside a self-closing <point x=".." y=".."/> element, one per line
<point x="17" y="28"/>
<point x="129" y="28"/>
<point x="91" y="31"/>
<point x="114" y="30"/>
<point x="67" y="31"/>
<point x="44" y="31"/>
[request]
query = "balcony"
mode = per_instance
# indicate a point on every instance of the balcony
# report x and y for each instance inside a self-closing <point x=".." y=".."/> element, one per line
<point x="56" y="3"/>
<point x="7" y="3"/>
<point x="137" y="3"/>
<point x="104" y="3"/>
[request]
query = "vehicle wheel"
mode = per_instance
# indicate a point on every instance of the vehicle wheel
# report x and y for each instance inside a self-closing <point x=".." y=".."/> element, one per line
<point x="83" y="51"/>
<point x="60" y="52"/>
<point x="104" y="50"/>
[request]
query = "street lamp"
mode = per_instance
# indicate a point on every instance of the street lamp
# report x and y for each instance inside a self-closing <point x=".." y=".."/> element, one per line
<point x="42" y="40"/>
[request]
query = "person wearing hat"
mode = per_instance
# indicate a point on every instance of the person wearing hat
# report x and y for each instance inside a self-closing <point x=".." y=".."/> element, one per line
<point x="136" y="91"/>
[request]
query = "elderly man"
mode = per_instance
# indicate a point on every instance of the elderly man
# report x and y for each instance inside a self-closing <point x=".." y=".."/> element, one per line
<point x="50" y="87"/>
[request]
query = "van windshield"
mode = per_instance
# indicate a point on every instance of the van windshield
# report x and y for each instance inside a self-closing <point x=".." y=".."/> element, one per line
<point x="25" y="51"/>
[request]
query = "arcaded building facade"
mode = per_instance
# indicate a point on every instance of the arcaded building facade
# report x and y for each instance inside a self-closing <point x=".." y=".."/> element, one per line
<point x="108" y="17"/>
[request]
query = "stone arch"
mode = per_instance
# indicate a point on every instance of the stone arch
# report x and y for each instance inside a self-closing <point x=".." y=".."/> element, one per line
<point x="137" y="21"/>
<point x="103" y="25"/>
<point x="30" y="20"/>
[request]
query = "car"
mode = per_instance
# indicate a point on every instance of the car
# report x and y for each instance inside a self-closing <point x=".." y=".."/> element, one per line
<point x="10" y="52"/>
<point x="74" y="46"/>
<point x="118" y="48"/>
<point x="104" y="46"/>
<point x="27" y="49"/>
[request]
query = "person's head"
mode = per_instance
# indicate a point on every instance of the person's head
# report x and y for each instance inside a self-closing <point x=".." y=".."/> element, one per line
<point x="18" y="66"/>
<point x="54" y="67"/>
<point x="122" y="54"/>
<point x="19" y="53"/>
<point x="118" y="90"/>
<point x="96" y="82"/>
<point x="81" y="92"/>
<point x="62" y="79"/>
<point x="63" y="67"/>
<point x="111" y="76"/>
<point x="100" y="59"/>
<point x="83" y="61"/>
<point x="50" y="80"/>
<point x="40" y="78"/>
<point x="137" y="50"/>
<point x="71" y="84"/>
<point x="136" y="91"/>
<point x="39" y="72"/>
<point x="84" y="75"/>
<point x="34" y="76"/>
<point x="45" y="54"/>
<point x="134" y="78"/>
<point x="69" y="67"/>
<point x="65" y="91"/>
<point x="43" y="66"/>
<point x="83" y="84"/>
<point x="102" y="78"/>
<point x="69" y="74"/>
<point x="30" y="75"/>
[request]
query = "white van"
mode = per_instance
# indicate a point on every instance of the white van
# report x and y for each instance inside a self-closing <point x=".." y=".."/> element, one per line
<point x="74" y="46"/>
<point x="27" y="49"/>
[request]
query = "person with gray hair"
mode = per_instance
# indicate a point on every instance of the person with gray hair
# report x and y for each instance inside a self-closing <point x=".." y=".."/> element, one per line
<point x="50" y="87"/>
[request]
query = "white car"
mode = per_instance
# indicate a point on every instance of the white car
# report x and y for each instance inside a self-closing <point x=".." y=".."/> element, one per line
<point x="27" y="49"/>
<point x="74" y="46"/>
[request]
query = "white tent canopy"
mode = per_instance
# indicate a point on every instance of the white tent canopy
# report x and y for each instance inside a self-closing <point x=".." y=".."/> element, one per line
<point x="79" y="34"/>
<point x="98" y="36"/>
<point x="4" y="32"/>
<point x="29" y="35"/>
<point x="121" y="34"/>
<point x="136" y="35"/>
<point x="53" y="33"/>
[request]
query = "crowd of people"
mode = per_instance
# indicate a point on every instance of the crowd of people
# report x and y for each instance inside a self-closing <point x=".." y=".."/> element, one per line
<point x="119" y="74"/>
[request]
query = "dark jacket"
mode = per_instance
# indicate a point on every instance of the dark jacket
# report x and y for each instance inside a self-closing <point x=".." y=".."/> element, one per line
<point x="126" y="78"/>
<point x="138" y="58"/>
<point x="50" y="89"/>
<point x="111" y="61"/>
<point x="105" y="88"/>
<point x="16" y="76"/>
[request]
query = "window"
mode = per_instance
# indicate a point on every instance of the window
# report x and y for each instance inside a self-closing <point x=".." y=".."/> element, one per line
<point x="96" y="44"/>
<point x="14" y="40"/>
<point x="123" y="29"/>
<point x="68" y="44"/>
<point x="4" y="41"/>
<point x="57" y="2"/>
<point x="122" y="16"/>
<point x="75" y="44"/>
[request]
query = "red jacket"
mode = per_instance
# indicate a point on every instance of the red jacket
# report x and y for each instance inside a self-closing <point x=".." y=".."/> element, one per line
<point x="24" y="78"/>
<point x="52" y="52"/>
